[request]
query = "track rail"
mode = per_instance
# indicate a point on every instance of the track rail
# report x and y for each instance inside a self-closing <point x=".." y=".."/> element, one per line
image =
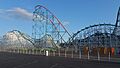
<point x="26" y="37"/>
<point x="52" y="22"/>
<point x="75" y="34"/>
<point x="38" y="6"/>
<point x="117" y="21"/>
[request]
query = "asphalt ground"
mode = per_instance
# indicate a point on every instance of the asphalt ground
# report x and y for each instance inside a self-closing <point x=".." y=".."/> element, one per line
<point x="12" y="60"/>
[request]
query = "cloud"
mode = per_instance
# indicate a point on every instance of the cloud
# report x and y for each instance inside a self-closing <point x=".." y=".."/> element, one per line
<point x="16" y="13"/>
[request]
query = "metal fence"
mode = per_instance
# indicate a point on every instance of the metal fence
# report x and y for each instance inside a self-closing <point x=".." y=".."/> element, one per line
<point x="67" y="53"/>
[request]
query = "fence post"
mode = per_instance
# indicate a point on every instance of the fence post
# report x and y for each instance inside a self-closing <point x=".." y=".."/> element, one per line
<point x="14" y="50"/>
<point x="35" y="51"/>
<point x="65" y="53"/>
<point x="25" y="51"/>
<point x="44" y="52"/>
<point x="88" y="55"/>
<point x="53" y="53"/>
<point x="72" y="52"/>
<point x="40" y="51"/>
<point x="32" y="51"/>
<point x="98" y="56"/>
<point x="17" y="50"/>
<point x="47" y="53"/>
<point x="28" y="52"/>
<point x="80" y="54"/>
<point x="109" y="56"/>
<point x="59" y="51"/>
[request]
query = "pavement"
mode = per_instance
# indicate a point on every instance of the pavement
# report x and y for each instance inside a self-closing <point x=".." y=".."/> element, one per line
<point x="13" y="60"/>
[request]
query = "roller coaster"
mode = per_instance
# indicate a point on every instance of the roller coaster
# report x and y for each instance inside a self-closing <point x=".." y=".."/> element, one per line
<point x="16" y="40"/>
<point x="46" y="23"/>
<point x="49" y="32"/>
<point x="103" y="38"/>
<point x="100" y="35"/>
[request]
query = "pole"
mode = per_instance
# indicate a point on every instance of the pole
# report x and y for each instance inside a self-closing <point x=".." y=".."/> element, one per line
<point x="59" y="51"/>
<point x="88" y="55"/>
<point x="109" y="56"/>
<point x="80" y="53"/>
<point x="98" y="56"/>
<point x="72" y="52"/>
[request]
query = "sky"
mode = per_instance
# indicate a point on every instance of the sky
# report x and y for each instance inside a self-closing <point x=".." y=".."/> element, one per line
<point x="74" y="14"/>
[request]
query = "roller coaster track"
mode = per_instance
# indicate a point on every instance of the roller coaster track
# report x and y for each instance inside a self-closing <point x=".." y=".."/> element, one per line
<point x="51" y="21"/>
<point x="118" y="17"/>
<point x="50" y="40"/>
<point x="75" y="34"/>
<point x="55" y="18"/>
<point x="97" y="35"/>
<point x="26" y="37"/>
<point x="117" y="21"/>
<point x="115" y="26"/>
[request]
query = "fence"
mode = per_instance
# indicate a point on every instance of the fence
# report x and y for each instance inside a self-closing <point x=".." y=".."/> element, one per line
<point x="67" y="53"/>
